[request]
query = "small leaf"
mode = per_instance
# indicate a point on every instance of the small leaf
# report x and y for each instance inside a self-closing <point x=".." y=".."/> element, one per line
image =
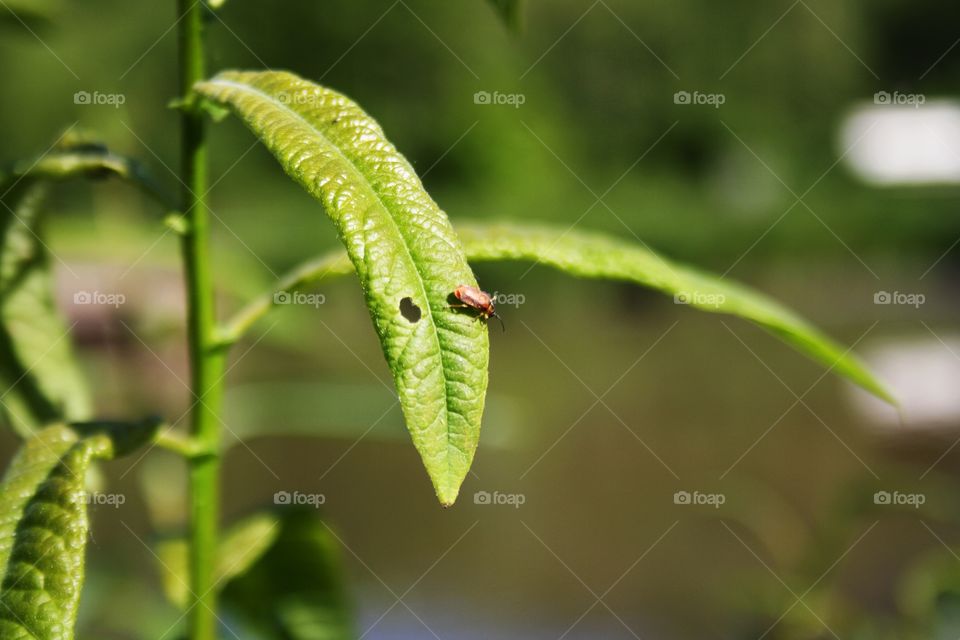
<point x="930" y="583"/>
<point x="593" y="255"/>
<point x="401" y="245"/>
<point x="280" y="574"/>
<point x="43" y="525"/>
<point x="76" y="156"/>
<point x="241" y="547"/>
<point x="295" y="591"/>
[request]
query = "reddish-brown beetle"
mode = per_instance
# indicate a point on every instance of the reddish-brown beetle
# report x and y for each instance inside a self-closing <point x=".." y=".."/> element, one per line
<point x="474" y="298"/>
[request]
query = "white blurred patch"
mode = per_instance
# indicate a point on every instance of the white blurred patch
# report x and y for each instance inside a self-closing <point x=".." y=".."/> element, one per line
<point x="923" y="375"/>
<point x="904" y="145"/>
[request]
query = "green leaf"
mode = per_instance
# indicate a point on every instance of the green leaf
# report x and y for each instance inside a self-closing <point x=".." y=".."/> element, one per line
<point x="295" y="591"/>
<point x="39" y="380"/>
<point x="401" y="245"/>
<point x="929" y="586"/>
<point x="77" y="156"/>
<point x="239" y="549"/>
<point x="279" y="573"/>
<point x="593" y="255"/>
<point x="43" y="525"/>
<point x="27" y="15"/>
<point x="511" y="11"/>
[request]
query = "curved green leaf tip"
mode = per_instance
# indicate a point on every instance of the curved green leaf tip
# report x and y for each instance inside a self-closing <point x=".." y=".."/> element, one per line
<point x="43" y="525"/>
<point x="401" y="245"/>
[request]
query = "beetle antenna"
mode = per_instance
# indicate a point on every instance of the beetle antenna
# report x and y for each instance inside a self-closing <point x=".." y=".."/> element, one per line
<point x="502" y="327"/>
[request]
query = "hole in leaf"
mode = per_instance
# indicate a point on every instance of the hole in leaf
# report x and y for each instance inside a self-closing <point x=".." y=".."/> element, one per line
<point x="409" y="310"/>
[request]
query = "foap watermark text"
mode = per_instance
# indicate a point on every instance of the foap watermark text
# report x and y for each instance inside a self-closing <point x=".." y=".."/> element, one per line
<point x="698" y="98"/>
<point x="115" y="500"/>
<point x="99" y="298"/>
<point x="299" y="498"/>
<point x="99" y="99"/>
<point x="883" y="98"/>
<point x="515" y="100"/>
<point x="700" y="298"/>
<point x="515" y="500"/>
<point x="299" y="297"/>
<point x="502" y="299"/>
<point x="699" y="498"/>
<point x="897" y="498"/>
<point x="914" y="300"/>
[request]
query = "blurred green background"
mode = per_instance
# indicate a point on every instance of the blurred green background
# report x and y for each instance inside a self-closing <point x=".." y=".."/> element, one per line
<point x="686" y="402"/>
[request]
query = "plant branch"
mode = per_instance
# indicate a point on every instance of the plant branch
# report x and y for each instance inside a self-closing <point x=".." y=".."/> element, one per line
<point x="179" y="443"/>
<point x="206" y="359"/>
<point x="307" y="273"/>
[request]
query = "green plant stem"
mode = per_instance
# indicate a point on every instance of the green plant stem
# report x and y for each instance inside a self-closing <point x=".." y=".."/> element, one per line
<point x="206" y="358"/>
